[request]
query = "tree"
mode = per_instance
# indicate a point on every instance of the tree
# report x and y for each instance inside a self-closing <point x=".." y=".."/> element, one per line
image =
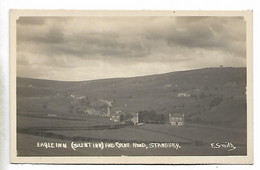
<point x="151" y="116"/>
<point x="202" y="95"/>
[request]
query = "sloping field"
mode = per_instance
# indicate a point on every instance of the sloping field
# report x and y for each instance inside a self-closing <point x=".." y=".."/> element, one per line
<point x="194" y="140"/>
<point x="201" y="133"/>
<point x="34" y="121"/>
<point x="125" y="134"/>
<point x="154" y="92"/>
<point x="190" y="134"/>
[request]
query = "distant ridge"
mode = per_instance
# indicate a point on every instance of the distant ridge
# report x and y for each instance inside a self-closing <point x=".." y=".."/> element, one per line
<point x="199" y="69"/>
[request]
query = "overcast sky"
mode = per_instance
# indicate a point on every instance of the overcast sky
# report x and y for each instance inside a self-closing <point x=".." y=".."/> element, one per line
<point x="86" y="48"/>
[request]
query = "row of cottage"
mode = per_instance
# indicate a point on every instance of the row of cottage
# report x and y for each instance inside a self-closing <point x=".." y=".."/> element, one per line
<point x="176" y="119"/>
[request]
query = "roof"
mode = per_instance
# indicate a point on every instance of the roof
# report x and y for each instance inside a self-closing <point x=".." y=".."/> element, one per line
<point x="177" y="114"/>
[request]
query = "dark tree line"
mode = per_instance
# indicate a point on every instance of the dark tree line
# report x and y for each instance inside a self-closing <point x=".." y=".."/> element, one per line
<point x="147" y="116"/>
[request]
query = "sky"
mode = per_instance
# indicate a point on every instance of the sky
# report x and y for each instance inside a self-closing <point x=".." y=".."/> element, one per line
<point x="88" y="48"/>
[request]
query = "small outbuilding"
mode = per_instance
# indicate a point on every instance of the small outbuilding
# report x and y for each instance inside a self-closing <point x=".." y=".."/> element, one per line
<point x="176" y="119"/>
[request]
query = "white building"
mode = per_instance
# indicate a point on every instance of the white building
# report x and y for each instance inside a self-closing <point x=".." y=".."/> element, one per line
<point x="183" y="94"/>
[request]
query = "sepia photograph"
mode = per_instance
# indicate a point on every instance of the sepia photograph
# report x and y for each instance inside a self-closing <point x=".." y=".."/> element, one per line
<point x="149" y="87"/>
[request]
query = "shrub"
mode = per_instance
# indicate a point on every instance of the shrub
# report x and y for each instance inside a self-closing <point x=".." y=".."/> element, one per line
<point x="44" y="106"/>
<point x="215" y="101"/>
<point x="202" y="96"/>
<point x="85" y="101"/>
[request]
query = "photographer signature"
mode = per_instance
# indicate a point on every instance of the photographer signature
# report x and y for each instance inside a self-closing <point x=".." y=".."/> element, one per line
<point x="226" y="145"/>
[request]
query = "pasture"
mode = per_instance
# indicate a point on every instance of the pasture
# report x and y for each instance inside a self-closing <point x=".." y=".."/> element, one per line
<point x="194" y="139"/>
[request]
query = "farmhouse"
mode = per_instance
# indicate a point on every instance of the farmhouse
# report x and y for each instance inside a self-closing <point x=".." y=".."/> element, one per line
<point x="119" y="116"/>
<point x="176" y="119"/>
<point x="116" y="118"/>
<point x="183" y="94"/>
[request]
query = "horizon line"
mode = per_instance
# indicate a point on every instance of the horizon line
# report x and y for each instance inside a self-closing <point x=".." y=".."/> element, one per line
<point x="129" y="76"/>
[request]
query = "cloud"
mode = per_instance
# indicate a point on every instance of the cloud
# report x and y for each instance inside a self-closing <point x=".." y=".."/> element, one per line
<point x="206" y="32"/>
<point x="52" y="36"/>
<point x="80" y="48"/>
<point x="31" y="20"/>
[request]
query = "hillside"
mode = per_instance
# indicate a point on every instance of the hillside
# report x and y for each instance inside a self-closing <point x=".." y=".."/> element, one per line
<point x="208" y="96"/>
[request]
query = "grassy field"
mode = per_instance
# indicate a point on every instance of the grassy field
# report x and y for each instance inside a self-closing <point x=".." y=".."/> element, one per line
<point x="62" y="121"/>
<point x="195" y="139"/>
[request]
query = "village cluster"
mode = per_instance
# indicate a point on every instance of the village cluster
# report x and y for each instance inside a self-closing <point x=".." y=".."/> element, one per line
<point x="176" y="119"/>
<point x="138" y="118"/>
